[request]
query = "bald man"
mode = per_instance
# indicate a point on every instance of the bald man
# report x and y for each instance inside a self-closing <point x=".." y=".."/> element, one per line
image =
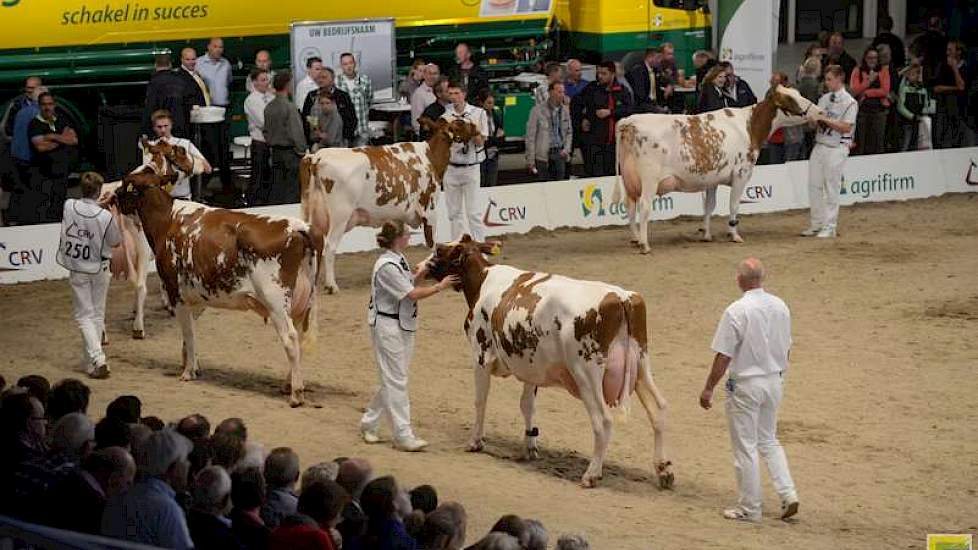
<point x="753" y="341"/>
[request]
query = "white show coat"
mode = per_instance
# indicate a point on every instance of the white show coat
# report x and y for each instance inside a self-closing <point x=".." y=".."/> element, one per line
<point x="828" y="159"/>
<point x="463" y="175"/>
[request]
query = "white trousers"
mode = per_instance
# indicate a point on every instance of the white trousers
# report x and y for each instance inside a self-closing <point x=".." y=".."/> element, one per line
<point x="462" y="200"/>
<point x="752" y="415"/>
<point x="88" y="292"/>
<point x="825" y="168"/>
<point x="393" y="349"/>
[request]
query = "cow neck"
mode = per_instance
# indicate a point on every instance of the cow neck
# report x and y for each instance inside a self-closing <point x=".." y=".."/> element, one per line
<point x="154" y="210"/>
<point x="761" y="120"/>
<point x="474" y="272"/>
<point x="439" y="150"/>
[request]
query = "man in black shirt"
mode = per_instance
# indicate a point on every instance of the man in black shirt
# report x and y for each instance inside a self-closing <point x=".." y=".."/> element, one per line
<point x="467" y="71"/>
<point x="603" y="103"/>
<point x="344" y="105"/>
<point x="168" y="90"/>
<point x="435" y="111"/>
<point x="887" y="37"/>
<point x="54" y="144"/>
<point x="837" y="55"/>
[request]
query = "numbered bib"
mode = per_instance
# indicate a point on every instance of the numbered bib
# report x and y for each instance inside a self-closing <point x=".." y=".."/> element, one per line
<point x="83" y="227"/>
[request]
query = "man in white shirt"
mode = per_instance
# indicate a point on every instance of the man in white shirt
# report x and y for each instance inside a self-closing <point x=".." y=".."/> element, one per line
<point x="462" y="176"/>
<point x="163" y="127"/>
<point x="314" y="66"/>
<point x="424" y="95"/>
<point x="828" y="159"/>
<point x="254" y="107"/>
<point x="215" y="138"/>
<point x="753" y="341"/>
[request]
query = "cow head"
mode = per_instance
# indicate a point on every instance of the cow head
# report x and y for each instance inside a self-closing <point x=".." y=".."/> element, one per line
<point x="165" y="156"/>
<point x="791" y="103"/>
<point x="459" y="257"/>
<point x="142" y="187"/>
<point x="456" y="131"/>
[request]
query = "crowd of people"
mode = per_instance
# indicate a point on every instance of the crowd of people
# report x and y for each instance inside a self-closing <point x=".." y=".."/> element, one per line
<point x="185" y="485"/>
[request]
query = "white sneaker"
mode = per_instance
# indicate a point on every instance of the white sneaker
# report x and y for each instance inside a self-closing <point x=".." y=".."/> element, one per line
<point x="369" y="436"/>
<point x="811" y="232"/>
<point x="737" y="514"/>
<point x="410" y="444"/>
<point x="826" y="233"/>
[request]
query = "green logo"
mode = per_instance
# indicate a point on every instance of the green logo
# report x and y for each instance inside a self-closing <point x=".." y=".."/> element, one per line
<point x="10" y="3"/>
<point x="949" y="542"/>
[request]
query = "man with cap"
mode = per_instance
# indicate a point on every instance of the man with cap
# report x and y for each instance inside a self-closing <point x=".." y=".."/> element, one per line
<point x="149" y="513"/>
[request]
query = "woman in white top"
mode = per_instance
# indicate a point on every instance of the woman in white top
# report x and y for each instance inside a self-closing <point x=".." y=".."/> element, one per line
<point x="393" y="319"/>
<point x="162" y="122"/>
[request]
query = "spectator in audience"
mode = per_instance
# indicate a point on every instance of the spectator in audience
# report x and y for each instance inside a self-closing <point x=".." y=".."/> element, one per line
<point x="77" y="502"/>
<point x="650" y="86"/>
<point x="467" y="71"/>
<point x="112" y="432"/>
<point x="735" y="88"/>
<point x="538" y="537"/>
<point x="542" y="91"/>
<point x="195" y="427"/>
<point x="149" y="513"/>
<point x="154" y="423"/>
<point x="25" y="199"/>
<point x="68" y="396"/>
<point x="259" y="184"/>
<point x="424" y="498"/>
<point x="514" y="526"/>
<point x="870" y="85"/>
<point x="138" y="434"/>
<point x="809" y="83"/>
<point x="444" y="528"/>
<point x="361" y="92"/>
<point x="226" y="450"/>
<point x="786" y="143"/>
<point x="281" y="475"/>
<point x="27" y="99"/>
<point x="931" y="48"/>
<point x="23" y="432"/>
<point x="622" y="81"/>
<point x="413" y="80"/>
<point x="285" y="136"/>
<point x="253" y="453"/>
<point x="837" y="55"/>
<point x="163" y="128"/>
<point x="913" y="104"/>
<point x="314" y="66"/>
<point x="36" y="386"/>
<point x="385" y="530"/>
<point x="216" y="137"/>
<point x="207" y="521"/>
<point x="247" y="497"/>
<point x="344" y="105"/>
<point x="667" y="63"/>
<point x="197" y="93"/>
<point x="497" y="541"/>
<point x="886" y="36"/>
<point x="168" y="90"/>
<point x="549" y="136"/>
<point x="573" y="542"/>
<point x="573" y="87"/>
<point x="575" y="83"/>
<point x="712" y="97"/>
<point x="437" y="109"/>
<point x="125" y="408"/>
<point x="703" y="61"/>
<point x="317" y="515"/>
<point x="324" y="471"/>
<point x="603" y="103"/>
<point x="329" y="127"/>
<point x="263" y="62"/>
<point x="54" y="146"/>
<point x="425" y="95"/>
<point x="490" y="166"/>
<point x="353" y="476"/>
<point x="892" y="136"/>
<point x="949" y="88"/>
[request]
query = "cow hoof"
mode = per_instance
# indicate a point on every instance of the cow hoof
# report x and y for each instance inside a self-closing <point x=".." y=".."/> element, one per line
<point x="645" y="250"/>
<point x="706" y="238"/>
<point x="187" y="377"/>
<point x="295" y="401"/>
<point x="666" y="480"/>
<point x="332" y="289"/>
<point x="635" y="243"/>
<point x="476" y="446"/>
<point x="532" y="454"/>
<point x="736" y="238"/>
<point x="589" y="482"/>
<point x="138" y="334"/>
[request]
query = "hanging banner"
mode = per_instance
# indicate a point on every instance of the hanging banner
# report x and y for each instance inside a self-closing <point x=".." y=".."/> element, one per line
<point x="746" y="32"/>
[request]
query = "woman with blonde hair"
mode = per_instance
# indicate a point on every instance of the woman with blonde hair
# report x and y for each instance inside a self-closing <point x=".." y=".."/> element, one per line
<point x="393" y="319"/>
<point x="712" y="97"/>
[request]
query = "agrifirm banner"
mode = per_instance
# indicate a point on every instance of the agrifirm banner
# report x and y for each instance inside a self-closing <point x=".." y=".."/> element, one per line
<point x="746" y="32"/>
<point x="371" y="41"/>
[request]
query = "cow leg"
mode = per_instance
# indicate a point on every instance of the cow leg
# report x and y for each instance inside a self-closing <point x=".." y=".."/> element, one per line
<point x="482" y="382"/>
<point x="338" y="226"/>
<point x="138" y="329"/>
<point x="589" y="378"/>
<point x="632" y="207"/>
<point x="736" y="191"/>
<point x="528" y="406"/>
<point x="644" y="213"/>
<point x="187" y="316"/>
<point x="165" y="300"/>
<point x="290" y="341"/>
<point x="655" y="407"/>
<point x="709" y="205"/>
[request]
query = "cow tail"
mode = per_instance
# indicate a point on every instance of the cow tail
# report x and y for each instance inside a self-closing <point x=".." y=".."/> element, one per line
<point x="617" y="195"/>
<point x="633" y="312"/>
<point x="309" y="271"/>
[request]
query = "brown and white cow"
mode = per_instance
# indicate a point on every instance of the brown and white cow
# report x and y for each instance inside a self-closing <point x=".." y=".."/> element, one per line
<point x="659" y="154"/>
<point x="367" y="186"/>
<point x="211" y="257"/>
<point x="546" y="330"/>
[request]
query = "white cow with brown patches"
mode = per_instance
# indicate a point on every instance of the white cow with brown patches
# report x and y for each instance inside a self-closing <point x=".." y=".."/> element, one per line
<point x="367" y="186"/>
<point x="546" y="330"/>
<point x="659" y="154"/>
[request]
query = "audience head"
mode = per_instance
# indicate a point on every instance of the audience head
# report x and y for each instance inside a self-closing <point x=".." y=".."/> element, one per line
<point x="836" y="43"/>
<point x="606" y="72"/>
<point x="233" y="426"/>
<point x="955" y="50"/>
<point x="113" y="468"/>
<point x="188" y="59"/>
<point x="885" y="54"/>
<point x="67" y="396"/>
<point x="715" y="77"/>
<point x="73" y="434"/>
<point x="212" y="491"/>
<point x="324" y="471"/>
<point x="914" y="73"/>
<point x="152" y="422"/>
<point x="573" y="70"/>
<point x="215" y="48"/>
<point x="441" y="89"/>
<point x="248" y="489"/>
<point x="812" y="66"/>
<point x="886" y="23"/>
<point x="379" y="499"/>
<point x="282" y="81"/>
<point x="127" y="408"/>
<point x="348" y="63"/>
<point x="31" y="84"/>
<point x="537" y="536"/>
<point x="195" y="428"/>
<point x="226" y="450"/>
<point x="112" y="432"/>
<point x="456" y="93"/>
<point x="934" y="23"/>
<point x="263" y="60"/>
<point x="162" y="123"/>
<point x="417" y="69"/>
<point x="138" y="433"/>
<point x="424" y="498"/>
<point x="556" y="93"/>
<point x="700" y="58"/>
<point x="282" y="468"/>
<point x="553" y="71"/>
<point x="323" y="501"/>
<point x="36" y="386"/>
<point x="162" y="62"/>
<point x="91" y="185"/>
<point x="22" y="415"/>
<point x="463" y="53"/>
<point x="444" y="528"/>
<point x="573" y="542"/>
<point x="163" y="455"/>
<point x="779" y="78"/>
<point x="431" y="74"/>
<point x="512" y="525"/>
<point x="499" y="541"/>
<point x="871" y="60"/>
<point x="354" y="474"/>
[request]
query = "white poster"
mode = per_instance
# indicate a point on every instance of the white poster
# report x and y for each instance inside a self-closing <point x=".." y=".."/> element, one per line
<point x="497" y="8"/>
<point x="371" y="41"/>
<point x="746" y="40"/>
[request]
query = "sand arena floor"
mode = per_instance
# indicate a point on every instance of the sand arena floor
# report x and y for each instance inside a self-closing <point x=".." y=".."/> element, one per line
<point x="878" y="419"/>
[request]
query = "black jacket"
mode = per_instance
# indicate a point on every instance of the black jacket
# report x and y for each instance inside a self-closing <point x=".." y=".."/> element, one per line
<point x="74" y="504"/>
<point x="477" y="79"/>
<point x="168" y="90"/>
<point x="598" y="96"/>
<point x="743" y="95"/>
<point x="844" y="60"/>
<point x="344" y="106"/>
<point x="194" y="92"/>
<point x="210" y="533"/>
<point x="712" y="99"/>
<point x="896" y="46"/>
<point x="638" y="77"/>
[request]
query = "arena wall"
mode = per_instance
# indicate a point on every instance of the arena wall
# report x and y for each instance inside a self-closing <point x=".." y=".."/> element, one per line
<point x="27" y="253"/>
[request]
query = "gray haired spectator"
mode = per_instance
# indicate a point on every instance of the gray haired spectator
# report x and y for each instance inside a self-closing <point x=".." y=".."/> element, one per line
<point x="209" y="526"/>
<point x="254" y="453"/>
<point x="498" y="541"/>
<point x="281" y="475"/>
<point x="324" y="471"/>
<point x="444" y="528"/>
<point x="138" y="433"/>
<point x="195" y="427"/>
<point x="573" y="541"/>
<point x="73" y="436"/>
<point x="537" y="538"/>
<point x="512" y="525"/>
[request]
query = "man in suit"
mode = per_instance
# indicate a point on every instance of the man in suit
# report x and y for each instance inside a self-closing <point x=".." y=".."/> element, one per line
<point x="650" y="86"/>
<point x="168" y="90"/>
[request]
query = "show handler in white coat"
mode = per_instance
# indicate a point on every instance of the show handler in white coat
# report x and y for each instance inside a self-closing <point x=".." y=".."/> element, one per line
<point x="88" y="234"/>
<point x="393" y="319"/>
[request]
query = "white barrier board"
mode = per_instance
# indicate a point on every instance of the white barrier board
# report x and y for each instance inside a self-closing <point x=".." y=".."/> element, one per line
<point x="27" y="253"/>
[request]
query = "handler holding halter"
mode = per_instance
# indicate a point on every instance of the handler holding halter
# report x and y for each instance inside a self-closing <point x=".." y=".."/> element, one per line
<point x="393" y="318"/>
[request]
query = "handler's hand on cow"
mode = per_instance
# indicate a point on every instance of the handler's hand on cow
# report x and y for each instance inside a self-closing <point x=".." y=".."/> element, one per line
<point x="602" y="113"/>
<point x="706" y="399"/>
<point x="449" y="281"/>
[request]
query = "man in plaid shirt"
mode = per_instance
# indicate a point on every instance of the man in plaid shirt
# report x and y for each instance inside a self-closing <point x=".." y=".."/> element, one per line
<point x="361" y="92"/>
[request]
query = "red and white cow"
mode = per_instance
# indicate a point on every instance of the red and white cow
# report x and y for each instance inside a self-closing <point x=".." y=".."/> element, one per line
<point x="546" y="330"/>
<point x="367" y="186"/>
<point x="659" y="154"/>
<point x="211" y="257"/>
